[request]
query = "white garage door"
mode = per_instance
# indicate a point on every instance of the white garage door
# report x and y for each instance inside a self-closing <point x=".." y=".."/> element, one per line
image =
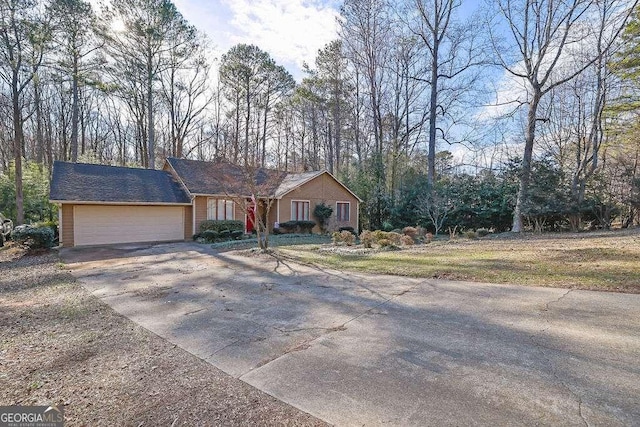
<point x="101" y="225"/>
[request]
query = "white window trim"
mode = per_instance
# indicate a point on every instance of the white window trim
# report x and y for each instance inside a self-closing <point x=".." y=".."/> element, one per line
<point x="345" y="202"/>
<point x="233" y="208"/>
<point x="297" y="200"/>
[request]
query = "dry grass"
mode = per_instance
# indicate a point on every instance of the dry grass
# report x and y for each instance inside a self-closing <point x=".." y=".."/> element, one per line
<point x="608" y="261"/>
<point x="61" y="345"/>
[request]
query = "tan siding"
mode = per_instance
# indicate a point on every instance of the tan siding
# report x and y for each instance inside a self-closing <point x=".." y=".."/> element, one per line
<point x="67" y="226"/>
<point x="200" y="203"/>
<point x="273" y="212"/>
<point x="321" y="189"/>
<point x="238" y="210"/>
<point x="188" y="222"/>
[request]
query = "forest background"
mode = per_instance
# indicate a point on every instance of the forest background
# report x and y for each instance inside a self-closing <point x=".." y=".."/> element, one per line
<point x="515" y="115"/>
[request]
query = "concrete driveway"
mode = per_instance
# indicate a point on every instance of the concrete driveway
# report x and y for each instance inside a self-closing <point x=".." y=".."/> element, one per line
<point x="357" y="349"/>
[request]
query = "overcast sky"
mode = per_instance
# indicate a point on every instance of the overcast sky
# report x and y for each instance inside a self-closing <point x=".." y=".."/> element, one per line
<point x="291" y="31"/>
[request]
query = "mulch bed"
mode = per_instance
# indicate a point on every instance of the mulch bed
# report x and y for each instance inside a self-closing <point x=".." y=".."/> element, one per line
<point x="61" y="345"/>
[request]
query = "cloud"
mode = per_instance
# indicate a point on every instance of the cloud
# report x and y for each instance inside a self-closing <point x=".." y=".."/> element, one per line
<point x="292" y="31"/>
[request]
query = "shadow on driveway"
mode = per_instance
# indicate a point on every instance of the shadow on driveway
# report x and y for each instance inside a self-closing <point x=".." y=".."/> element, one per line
<point x="358" y="349"/>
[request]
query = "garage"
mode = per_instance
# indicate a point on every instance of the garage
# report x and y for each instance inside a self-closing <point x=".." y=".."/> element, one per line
<point x="103" y="225"/>
<point x="106" y="205"/>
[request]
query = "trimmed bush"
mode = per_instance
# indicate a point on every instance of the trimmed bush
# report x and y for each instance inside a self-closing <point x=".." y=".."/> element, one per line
<point x="210" y="236"/>
<point x="301" y="227"/>
<point x="215" y="225"/>
<point x="406" y="240"/>
<point x="349" y="229"/>
<point x="428" y="238"/>
<point x="395" y="238"/>
<point x="237" y="234"/>
<point x="196" y="236"/>
<point x="411" y="232"/>
<point x="379" y="235"/>
<point x="33" y="237"/>
<point x="225" y="234"/>
<point x="345" y="237"/>
<point x="385" y="243"/>
<point x="366" y="238"/>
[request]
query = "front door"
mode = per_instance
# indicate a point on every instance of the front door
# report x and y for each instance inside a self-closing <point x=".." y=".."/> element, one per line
<point x="251" y="218"/>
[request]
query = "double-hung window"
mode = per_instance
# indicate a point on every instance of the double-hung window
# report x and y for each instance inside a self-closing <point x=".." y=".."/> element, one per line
<point x="299" y="210"/>
<point x="342" y="211"/>
<point x="220" y="209"/>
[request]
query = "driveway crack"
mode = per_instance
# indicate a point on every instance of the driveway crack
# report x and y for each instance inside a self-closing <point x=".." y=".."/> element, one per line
<point x="554" y="371"/>
<point x="548" y="304"/>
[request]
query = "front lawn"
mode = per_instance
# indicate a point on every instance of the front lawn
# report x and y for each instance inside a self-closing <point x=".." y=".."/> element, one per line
<point x="601" y="260"/>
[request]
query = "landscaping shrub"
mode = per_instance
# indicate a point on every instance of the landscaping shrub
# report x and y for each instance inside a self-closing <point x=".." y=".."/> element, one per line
<point x="52" y="225"/>
<point x="214" y="225"/>
<point x="225" y="234"/>
<point x="33" y="237"/>
<point x="385" y="243"/>
<point x="428" y="238"/>
<point x="366" y="238"/>
<point x="196" y="236"/>
<point x="411" y="232"/>
<point x="306" y="226"/>
<point x="406" y="240"/>
<point x="345" y="237"/>
<point x="301" y="227"/>
<point x="387" y="226"/>
<point x="395" y="238"/>
<point x="322" y="211"/>
<point x="349" y="229"/>
<point x="210" y="236"/>
<point x="379" y="235"/>
<point x="237" y="234"/>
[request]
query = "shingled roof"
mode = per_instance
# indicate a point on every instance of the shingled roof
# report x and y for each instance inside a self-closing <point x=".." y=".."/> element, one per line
<point x="81" y="182"/>
<point x="225" y="178"/>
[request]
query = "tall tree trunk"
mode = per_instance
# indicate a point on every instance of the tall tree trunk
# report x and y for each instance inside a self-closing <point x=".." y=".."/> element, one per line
<point x="246" y="123"/>
<point x="38" y="107"/>
<point x="264" y="132"/>
<point x="17" y="147"/>
<point x="433" y="110"/>
<point x="150" y="130"/>
<point x="525" y="173"/>
<point x="74" y="111"/>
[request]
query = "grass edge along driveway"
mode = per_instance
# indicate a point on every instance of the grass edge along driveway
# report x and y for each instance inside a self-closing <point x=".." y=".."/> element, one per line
<point x="606" y="261"/>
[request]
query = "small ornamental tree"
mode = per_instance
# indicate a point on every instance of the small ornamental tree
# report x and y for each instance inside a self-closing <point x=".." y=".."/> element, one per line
<point x="252" y="190"/>
<point x="323" y="212"/>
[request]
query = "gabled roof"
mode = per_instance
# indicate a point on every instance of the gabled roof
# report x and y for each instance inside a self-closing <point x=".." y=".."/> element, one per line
<point x="81" y="182"/>
<point x="222" y="178"/>
<point x="296" y="180"/>
<point x="217" y="178"/>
